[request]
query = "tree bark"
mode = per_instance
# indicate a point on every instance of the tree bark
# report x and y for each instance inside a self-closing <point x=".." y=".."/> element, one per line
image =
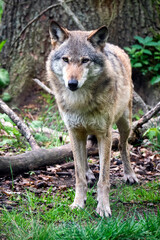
<point x="28" y="42"/>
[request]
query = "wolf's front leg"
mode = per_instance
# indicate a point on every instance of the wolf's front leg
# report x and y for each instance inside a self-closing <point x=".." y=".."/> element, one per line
<point x="78" y="142"/>
<point x="103" y="186"/>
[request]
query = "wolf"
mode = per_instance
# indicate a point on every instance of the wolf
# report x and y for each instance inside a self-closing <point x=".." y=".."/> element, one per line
<point x="91" y="81"/>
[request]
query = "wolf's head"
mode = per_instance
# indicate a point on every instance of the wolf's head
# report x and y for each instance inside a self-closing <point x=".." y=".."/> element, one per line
<point x="77" y="57"/>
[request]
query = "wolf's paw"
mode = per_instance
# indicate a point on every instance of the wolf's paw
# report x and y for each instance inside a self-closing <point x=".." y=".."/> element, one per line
<point x="90" y="178"/>
<point x="103" y="210"/>
<point x="130" y="178"/>
<point x="77" y="205"/>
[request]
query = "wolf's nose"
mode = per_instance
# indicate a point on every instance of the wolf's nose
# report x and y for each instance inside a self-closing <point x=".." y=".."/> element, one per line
<point x="73" y="84"/>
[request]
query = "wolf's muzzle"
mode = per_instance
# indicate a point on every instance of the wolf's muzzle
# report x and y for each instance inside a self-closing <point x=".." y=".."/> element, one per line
<point x="73" y="84"/>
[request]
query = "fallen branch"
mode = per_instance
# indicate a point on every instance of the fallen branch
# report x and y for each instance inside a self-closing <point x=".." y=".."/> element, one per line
<point x="25" y="131"/>
<point x="146" y="117"/>
<point x="42" y="85"/>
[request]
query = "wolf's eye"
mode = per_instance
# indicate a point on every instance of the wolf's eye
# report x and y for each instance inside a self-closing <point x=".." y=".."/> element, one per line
<point x="65" y="59"/>
<point x="85" y="60"/>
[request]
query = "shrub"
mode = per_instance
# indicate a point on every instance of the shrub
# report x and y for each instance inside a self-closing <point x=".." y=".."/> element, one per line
<point x="145" y="55"/>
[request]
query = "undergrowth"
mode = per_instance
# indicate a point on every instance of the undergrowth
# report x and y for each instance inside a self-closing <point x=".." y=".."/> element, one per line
<point x="145" y="56"/>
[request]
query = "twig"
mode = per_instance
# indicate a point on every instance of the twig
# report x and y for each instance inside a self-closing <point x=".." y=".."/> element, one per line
<point x="36" y="18"/>
<point x="146" y="117"/>
<point x="20" y="124"/>
<point x="71" y="14"/>
<point x="42" y="85"/>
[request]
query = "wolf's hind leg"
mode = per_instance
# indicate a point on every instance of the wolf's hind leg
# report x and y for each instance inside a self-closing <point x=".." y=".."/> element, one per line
<point x="90" y="177"/>
<point x="124" y="126"/>
<point x="78" y="142"/>
<point x="92" y="140"/>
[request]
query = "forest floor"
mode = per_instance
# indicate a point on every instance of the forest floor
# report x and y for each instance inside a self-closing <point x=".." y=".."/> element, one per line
<point x="58" y="179"/>
<point x="145" y="162"/>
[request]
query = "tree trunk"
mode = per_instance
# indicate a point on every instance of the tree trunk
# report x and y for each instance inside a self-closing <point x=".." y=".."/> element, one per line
<point x="25" y="52"/>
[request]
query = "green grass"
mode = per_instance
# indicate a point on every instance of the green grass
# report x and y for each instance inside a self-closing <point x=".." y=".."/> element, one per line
<point x="114" y="228"/>
<point x="49" y="217"/>
<point x="149" y="192"/>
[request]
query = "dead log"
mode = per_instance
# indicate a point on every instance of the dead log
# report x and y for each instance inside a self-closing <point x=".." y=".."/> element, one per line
<point x="35" y="159"/>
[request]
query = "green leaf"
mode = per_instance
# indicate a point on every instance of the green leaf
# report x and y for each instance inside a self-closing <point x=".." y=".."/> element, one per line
<point x="155" y="80"/>
<point x="6" y="118"/>
<point x="8" y="129"/>
<point x="127" y="49"/>
<point x="157" y="58"/>
<point x="8" y="141"/>
<point x="6" y="97"/>
<point x="152" y="44"/>
<point x="158" y="49"/>
<point x="157" y="53"/>
<point x="139" y="53"/>
<point x="157" y="67"/>
<point x="2" y="44"/>
<point x="140" y="39"/>
<point x="151" y="132"/>
<point x="130" y="51"/>
<point x="16" y="132"/>
<point x="137" y="65"/>
<point x="147" y="51"/>
<point x="137" y="46"/>
<point x="145" y="62"/>
<point x="148" y="40"/>
<point x="4" y="77"/>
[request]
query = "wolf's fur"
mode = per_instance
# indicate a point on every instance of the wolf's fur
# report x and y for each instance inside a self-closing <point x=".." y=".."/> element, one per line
<point x="92" y="84"/>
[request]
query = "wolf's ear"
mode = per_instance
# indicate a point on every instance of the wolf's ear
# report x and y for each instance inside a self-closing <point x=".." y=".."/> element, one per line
<point x="99" y="36"/>
<point x="57" y="33"/>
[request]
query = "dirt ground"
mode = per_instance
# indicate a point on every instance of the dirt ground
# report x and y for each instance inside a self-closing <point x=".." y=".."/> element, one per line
<point x="60" y="177"/>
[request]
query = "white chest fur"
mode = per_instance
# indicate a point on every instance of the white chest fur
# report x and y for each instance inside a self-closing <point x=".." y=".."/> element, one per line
<point x="90" y="121"/>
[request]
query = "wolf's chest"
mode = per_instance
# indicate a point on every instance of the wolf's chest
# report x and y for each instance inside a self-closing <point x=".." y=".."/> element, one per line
<point x="91" y="121"/>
